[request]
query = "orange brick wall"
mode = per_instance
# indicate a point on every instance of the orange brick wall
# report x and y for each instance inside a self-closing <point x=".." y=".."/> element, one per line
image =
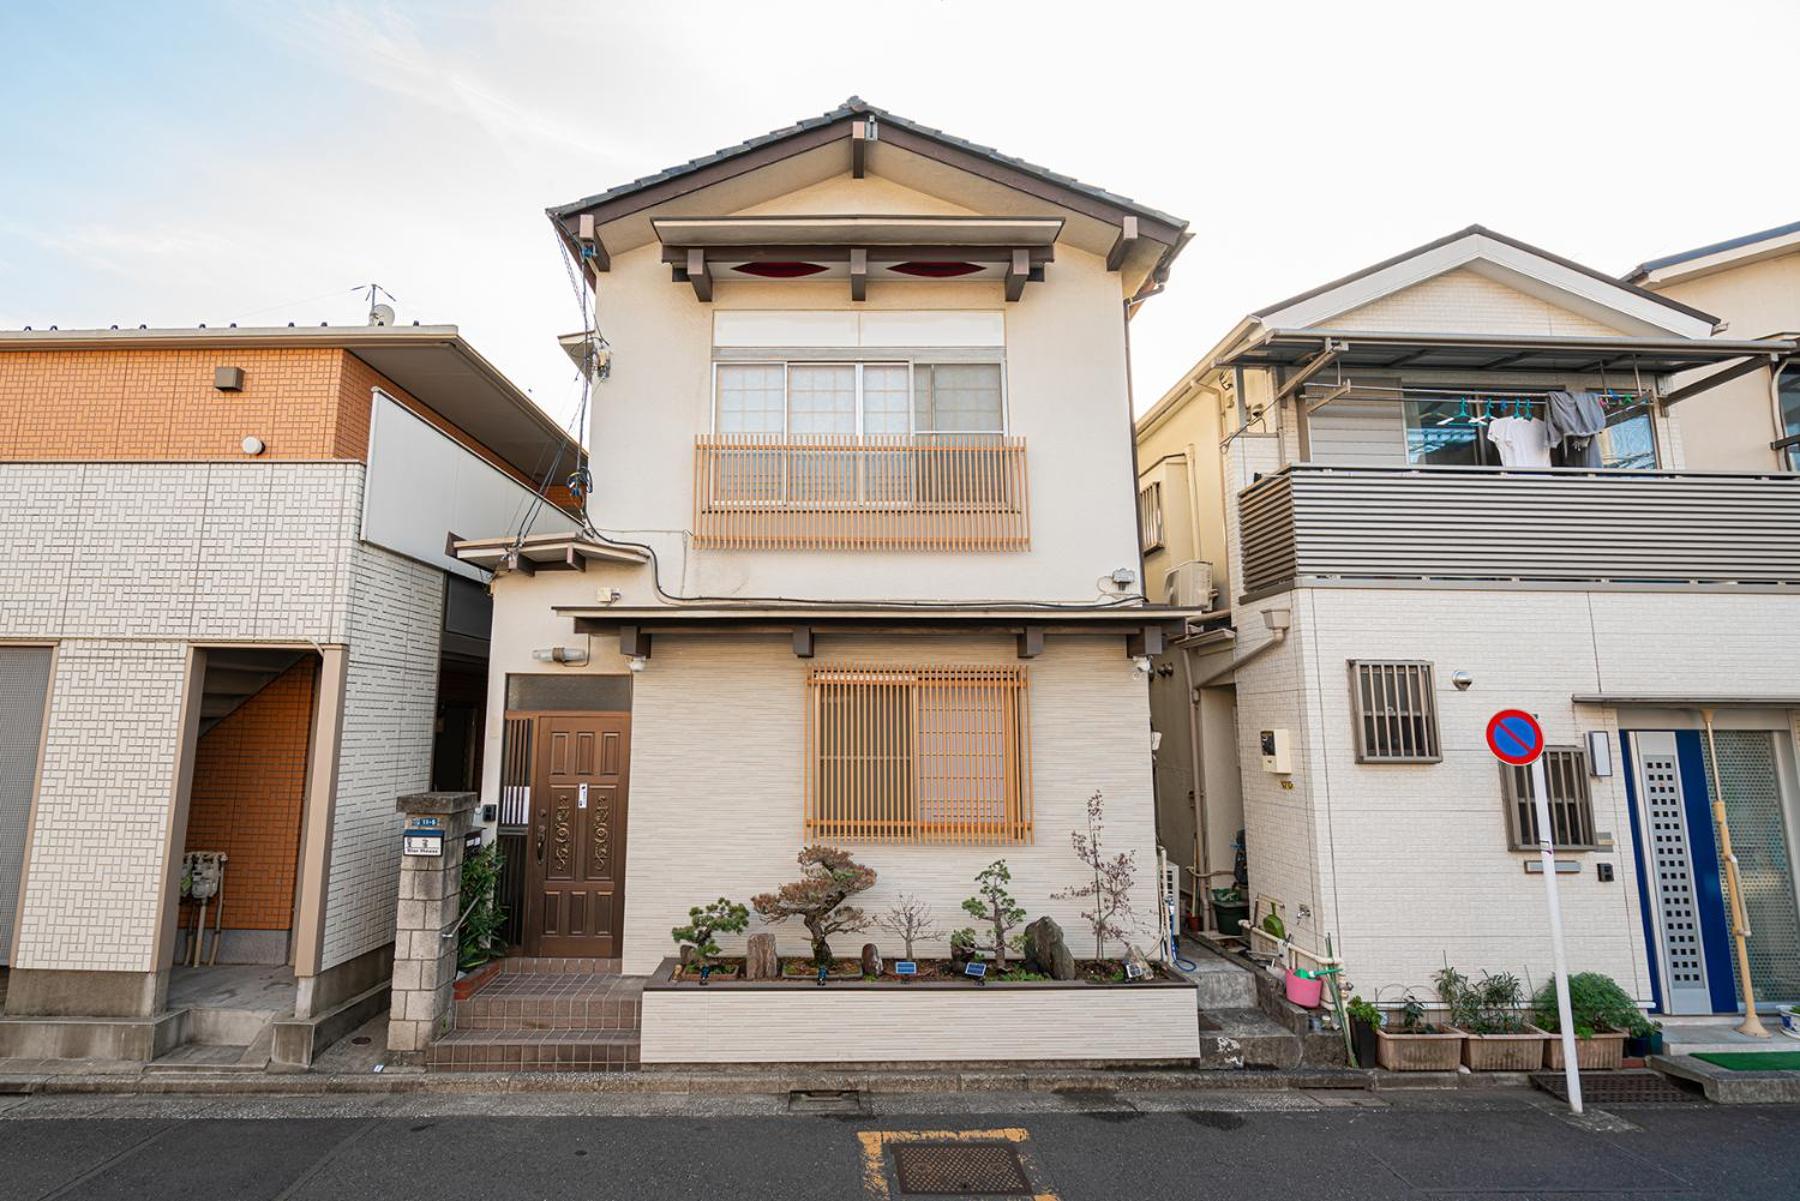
<point x="249" y="792"/>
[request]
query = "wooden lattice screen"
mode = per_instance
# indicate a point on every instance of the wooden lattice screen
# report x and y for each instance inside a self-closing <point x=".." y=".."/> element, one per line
<point x="918" y="755"/>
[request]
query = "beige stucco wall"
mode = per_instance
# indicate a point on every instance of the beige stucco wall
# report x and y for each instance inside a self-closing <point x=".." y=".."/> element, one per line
<point x="717" y="786"/>
<point x="1730" y="427"/>
<point x="1464" y="300"/>
<point x="1185" y="442"/>
<point x="1407" y="865"/>
<point x="1066" y="394"/>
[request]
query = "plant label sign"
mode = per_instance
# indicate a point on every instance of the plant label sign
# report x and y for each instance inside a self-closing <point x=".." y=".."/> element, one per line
<point x="1134" y="971"/>
<point x="905" y="967"/>
<point x="1515" y="737"/>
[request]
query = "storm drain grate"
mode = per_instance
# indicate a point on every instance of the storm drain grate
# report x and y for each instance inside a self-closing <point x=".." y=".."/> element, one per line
<point x="1618" y="1088"/>
<point x="825" y="1100"/>
<point x="960" y="1170"/>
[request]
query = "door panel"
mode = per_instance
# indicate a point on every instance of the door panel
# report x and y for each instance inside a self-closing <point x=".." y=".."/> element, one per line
<point x="1665" y="856"/>
<point x="1751" y="775"/>
<point x="576" y="870"/>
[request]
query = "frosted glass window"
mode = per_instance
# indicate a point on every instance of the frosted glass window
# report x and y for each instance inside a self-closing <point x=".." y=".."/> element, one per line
<point x="822" y="398"/>
<point x="958" y="398"/>
<point x="752" y="398"/>
<point x="885" y="406"/>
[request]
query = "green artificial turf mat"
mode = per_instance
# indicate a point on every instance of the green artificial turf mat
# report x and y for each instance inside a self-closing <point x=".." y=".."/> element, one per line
<point x="1753" y="1061"/>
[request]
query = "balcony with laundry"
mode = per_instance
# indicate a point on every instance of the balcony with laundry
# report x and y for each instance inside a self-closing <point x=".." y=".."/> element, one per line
<point x="1483" y="460"/>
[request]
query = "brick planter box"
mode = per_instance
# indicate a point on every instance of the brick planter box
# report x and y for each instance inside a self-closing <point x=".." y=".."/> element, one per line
<point x="926" y="1021"/>
<point x="1503" y="1052"/>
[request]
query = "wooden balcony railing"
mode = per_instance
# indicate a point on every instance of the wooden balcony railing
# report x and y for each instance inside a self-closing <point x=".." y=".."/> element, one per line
<point x="889" y="492"/>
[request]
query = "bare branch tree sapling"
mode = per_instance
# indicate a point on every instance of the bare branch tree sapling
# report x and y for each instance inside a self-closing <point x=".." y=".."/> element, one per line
<point x="909" y="920"/>
<point x="1109" y="914"/>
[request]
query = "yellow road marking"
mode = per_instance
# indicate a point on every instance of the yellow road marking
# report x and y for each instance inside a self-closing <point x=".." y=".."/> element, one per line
<point x="876" y="1142"/>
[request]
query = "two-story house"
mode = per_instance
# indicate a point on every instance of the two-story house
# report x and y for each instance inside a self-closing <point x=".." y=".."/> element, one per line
<point x="863" y="562"/>
<point x="1408" y="546"/>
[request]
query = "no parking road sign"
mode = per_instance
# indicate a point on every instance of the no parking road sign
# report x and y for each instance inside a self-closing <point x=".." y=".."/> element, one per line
<point x="1515" y="737"/>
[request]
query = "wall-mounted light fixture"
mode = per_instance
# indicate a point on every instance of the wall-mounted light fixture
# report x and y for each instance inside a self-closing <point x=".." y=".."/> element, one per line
<point x="638" y="663"/>
<point x="1462" y="680"/>
<point x="561" y="654"/>
<point x="253" y="445"/>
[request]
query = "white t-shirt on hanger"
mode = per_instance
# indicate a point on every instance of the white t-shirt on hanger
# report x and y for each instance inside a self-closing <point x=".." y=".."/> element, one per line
<point x="1522" y="441"/>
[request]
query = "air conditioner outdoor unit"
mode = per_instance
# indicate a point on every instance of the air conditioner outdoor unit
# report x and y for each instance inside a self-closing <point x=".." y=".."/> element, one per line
<point x="1189" y="585"/>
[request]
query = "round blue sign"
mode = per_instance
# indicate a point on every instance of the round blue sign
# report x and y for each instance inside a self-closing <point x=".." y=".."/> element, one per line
<point x="1515" y="737"/>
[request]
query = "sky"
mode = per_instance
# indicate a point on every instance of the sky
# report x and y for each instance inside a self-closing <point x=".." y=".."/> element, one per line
<point x="174" y="164"/>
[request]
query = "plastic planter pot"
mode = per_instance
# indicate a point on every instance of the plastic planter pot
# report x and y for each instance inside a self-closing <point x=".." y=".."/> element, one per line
<point x="1436" y="1052"/>
<point x="1603" y="1052"/>
<point x="1523" y="1052"/>
<point x="1304" y="988"/>
<point x="1790" y="1022"/>
<point x="1368" y="1047"/>
<point x="1228" y="917"/>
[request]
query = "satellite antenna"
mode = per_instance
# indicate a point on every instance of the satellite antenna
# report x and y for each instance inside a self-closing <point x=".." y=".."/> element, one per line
<point x="379" y="314"/>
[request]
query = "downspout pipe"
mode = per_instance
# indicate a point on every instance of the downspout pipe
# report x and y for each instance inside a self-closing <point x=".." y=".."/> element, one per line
<point x="1279" y="620"/>
<point x="1740" y="925"/>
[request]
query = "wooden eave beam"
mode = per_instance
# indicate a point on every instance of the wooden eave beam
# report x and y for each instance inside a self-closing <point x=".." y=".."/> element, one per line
<point x="677" y="255"/>
<point x="859" y="147"/>
<point x="859" y="274"/>
<point x="1017" y="273"/>
<point x="700" y="275"/>
<point x="1121" y="247"/>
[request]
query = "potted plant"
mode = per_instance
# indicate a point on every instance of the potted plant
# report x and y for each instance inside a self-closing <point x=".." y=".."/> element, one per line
<point x="1641" y="1046"/>
<point x="1790" y="1021"/>
<point x="1365" y="1020"/>
<point x="1230" y="907"/>
<point x="1489" y="1013"/>
<point x="1414" y="1045"/>
<point x="1604" y="1017"/>
<point x="695" y="940"/>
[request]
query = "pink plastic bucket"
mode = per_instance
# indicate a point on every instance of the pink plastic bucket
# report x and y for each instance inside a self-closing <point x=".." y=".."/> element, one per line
<point x="1304" y="991"/>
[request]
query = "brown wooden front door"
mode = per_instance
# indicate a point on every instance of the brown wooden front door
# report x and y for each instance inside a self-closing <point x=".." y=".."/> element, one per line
<point x="575" y="861"/>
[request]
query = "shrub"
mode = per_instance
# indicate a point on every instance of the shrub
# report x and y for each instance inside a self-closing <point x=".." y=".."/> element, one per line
<point x="1596" y="1002"/>
<point x="1363" y="1011"/>
<point x="485" y="915"/>
<point x="722" y="916"/>
<point x="817" y="898"/>
<point x="1492" y="1005"/>
<point x="996" y="907"/>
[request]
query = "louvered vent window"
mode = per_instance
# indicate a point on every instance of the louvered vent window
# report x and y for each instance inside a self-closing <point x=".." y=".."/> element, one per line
<point x="918" y="755"/>
<point x="1395" y="708"/>
<point x="1571" y="804"/>
<point x="1150" y="517"/>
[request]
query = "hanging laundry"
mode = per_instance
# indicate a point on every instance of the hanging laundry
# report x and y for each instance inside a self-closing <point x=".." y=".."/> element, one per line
<point x="1521" y="441"/>
<point x="1574" y="420"/>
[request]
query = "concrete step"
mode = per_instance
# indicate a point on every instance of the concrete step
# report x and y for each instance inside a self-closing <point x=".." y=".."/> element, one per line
<point x="525" y="1050"/>
<point x="1246" y="1038"/>
<point x="1218" y="982"/>
<point x="513" y="1001"/>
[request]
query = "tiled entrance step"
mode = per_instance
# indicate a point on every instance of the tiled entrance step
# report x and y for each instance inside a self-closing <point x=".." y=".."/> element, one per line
<point x="557" y="1021"/>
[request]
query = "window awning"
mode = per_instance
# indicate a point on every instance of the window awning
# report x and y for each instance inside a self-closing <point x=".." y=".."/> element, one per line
<point x="1422" y="352"/>
<point x="542" y="552"/>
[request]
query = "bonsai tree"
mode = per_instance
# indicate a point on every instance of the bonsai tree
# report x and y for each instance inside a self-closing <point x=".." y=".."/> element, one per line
<point x="485" y="916"/>
<point x="909" y="919"/>
<point x="1596" y="1002"/>
<point x="1109" y="893"/>
<point x="830" y="878"/>
<point x="1492" y="1005"/>
<point x="704" y="921"/>
<point x="996" y="907"/>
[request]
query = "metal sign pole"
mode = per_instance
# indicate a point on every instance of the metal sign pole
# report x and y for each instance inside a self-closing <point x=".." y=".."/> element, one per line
<point x="1540" y="790"/>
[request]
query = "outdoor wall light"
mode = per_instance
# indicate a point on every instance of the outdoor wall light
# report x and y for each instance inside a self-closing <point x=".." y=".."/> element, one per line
<point x="560" y="654"/>
<point x="1141" y="667"/>
<point x="638" y="663"/>
<point x="253" y="445"/>
<point x="1462" y="680"/>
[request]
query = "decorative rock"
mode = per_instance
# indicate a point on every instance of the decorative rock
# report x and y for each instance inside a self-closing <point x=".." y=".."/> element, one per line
<point x="1046" y="951"/>
<point x="871" y="959"/>
<point x="759" y="958"/>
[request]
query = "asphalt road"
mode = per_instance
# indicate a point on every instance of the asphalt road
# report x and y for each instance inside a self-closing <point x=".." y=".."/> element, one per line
<point x="1095" y="1146"/>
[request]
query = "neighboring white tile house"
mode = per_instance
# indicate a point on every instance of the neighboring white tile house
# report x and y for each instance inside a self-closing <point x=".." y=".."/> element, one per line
<point x="866" y="455"/>
<point x="172" y="578"/>
<point x="1378" y="540"/>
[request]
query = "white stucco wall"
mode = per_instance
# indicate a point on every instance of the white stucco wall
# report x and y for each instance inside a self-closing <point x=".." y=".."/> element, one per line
<point x="1407" y="865"/>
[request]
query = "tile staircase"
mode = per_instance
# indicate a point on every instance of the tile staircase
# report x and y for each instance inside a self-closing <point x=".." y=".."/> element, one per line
<point x="545" y="1015"/>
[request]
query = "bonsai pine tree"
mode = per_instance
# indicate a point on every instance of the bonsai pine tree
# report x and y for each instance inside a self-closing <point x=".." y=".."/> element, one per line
<point x="722" y="916"/>
<point x="909" y="919"/>
<point x="817" y="898"/>
<point x="996" y="907"/>
<point x="1109" y="893"/>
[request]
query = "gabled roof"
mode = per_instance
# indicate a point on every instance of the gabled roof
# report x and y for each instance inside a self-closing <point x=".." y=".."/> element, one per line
<point x="1295" y="310"/>
<point x="1778" y="240"/>
<point x="854" y="107"/>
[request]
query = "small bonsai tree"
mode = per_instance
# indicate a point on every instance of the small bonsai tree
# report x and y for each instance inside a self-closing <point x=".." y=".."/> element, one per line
<point x="996" y="907"/>
<point x="1109" y="893"/>
<point x="909" y="919"/>
<point x="817" y="898"/>
<point x="1492" y="1005"/>
<point x="1596" y="1002"/>
<point x="704" y="921"/>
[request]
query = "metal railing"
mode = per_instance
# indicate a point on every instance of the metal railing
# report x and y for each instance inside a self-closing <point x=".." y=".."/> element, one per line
<point x="1309" y="523"/>
<point x="875" y="492"/>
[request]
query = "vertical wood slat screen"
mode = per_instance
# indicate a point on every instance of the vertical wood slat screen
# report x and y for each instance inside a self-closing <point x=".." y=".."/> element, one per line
<point x="1571" y="801"/>
<point x="918" y="755"/>
<point x="1395" y="707"/>
<point x="861" y="492"/>
<point x="515" y="772"/>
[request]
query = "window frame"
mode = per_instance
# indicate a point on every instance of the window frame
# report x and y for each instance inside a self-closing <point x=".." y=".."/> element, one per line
<point x="1150" y="517"/>
<point x="831" y="811"/>
<point x="1431" y="732"/>
<point x="910" y="359"/>
<point x="1515" y="787"/>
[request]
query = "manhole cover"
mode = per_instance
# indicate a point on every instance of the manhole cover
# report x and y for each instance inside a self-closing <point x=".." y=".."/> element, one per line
<point x="960" y="1170"/>
<point x="1618" y="1088"/>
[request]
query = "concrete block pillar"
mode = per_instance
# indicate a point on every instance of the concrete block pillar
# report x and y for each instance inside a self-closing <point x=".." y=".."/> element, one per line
<point x="430" y="903"/>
